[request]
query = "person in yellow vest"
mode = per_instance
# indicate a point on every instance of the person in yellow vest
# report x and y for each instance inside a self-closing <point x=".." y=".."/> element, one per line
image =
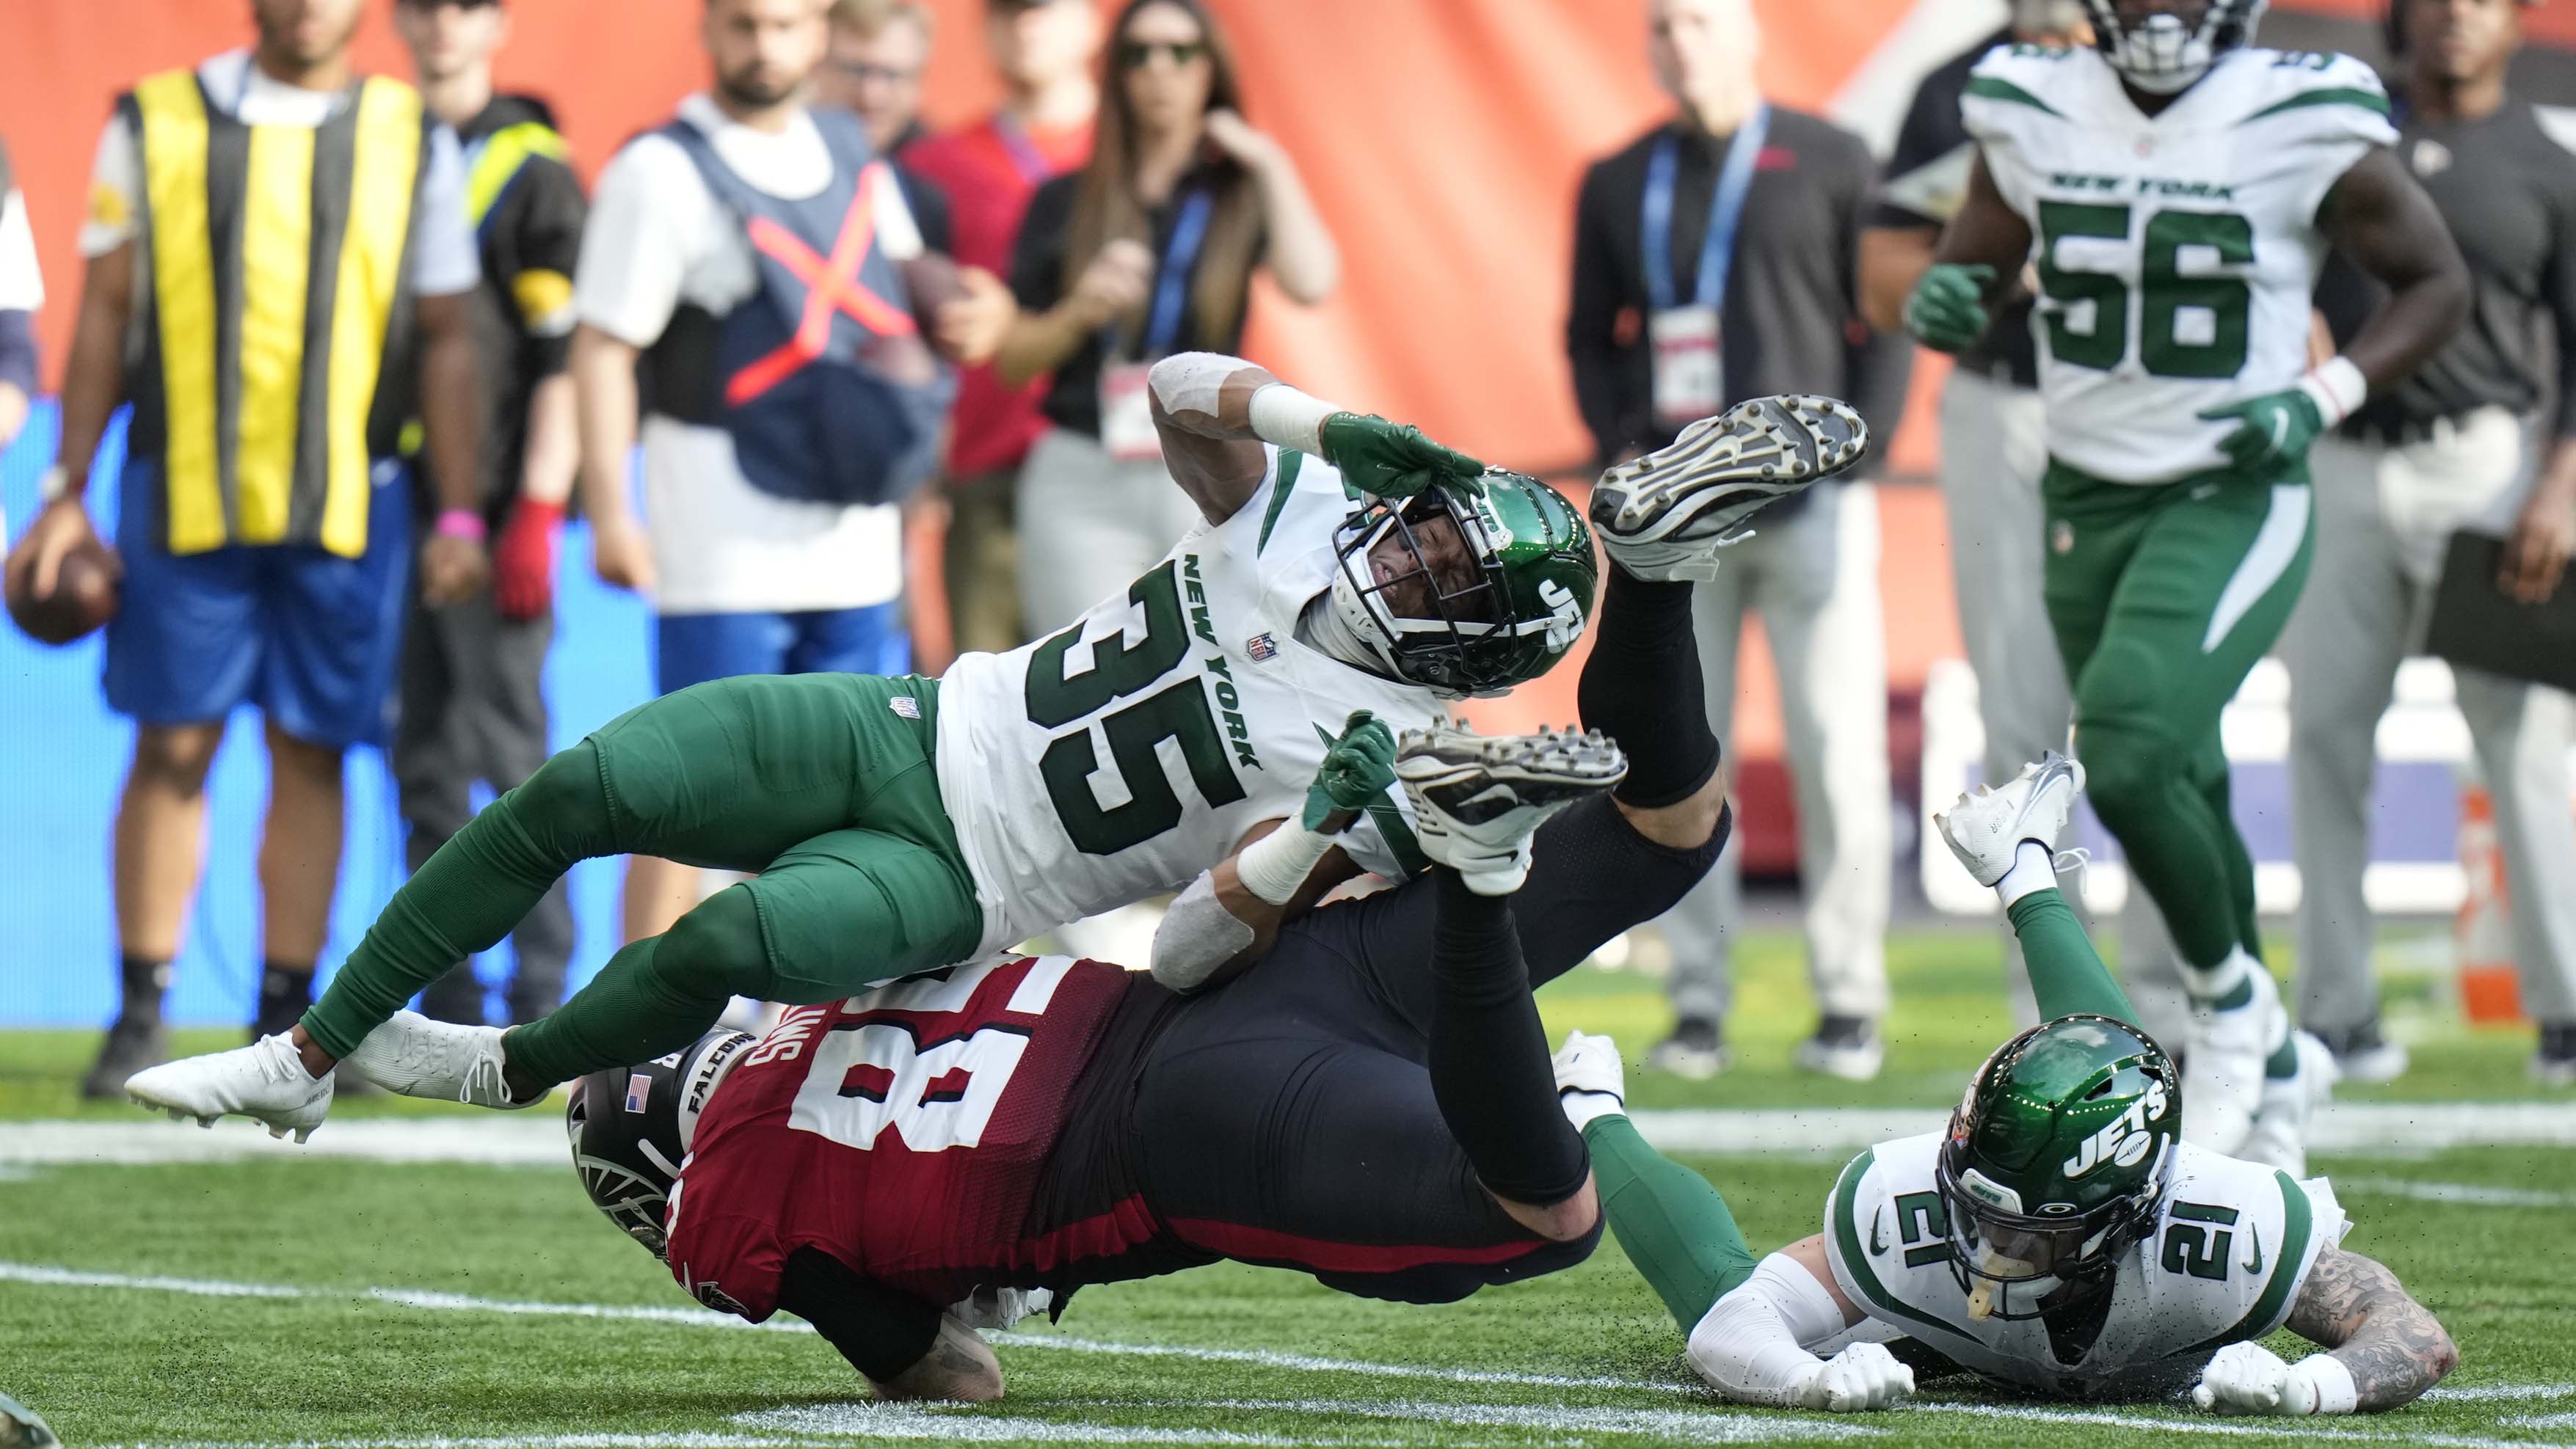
<point x="279" y="264"/>
<point x="473" y="701"/>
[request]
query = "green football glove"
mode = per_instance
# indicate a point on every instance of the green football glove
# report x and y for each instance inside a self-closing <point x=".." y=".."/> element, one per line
<point x="1947" y="310"/>
<point x="1357" y="770"/>
<point x="2272" y="429"/>
<point x="1393" y="460"/>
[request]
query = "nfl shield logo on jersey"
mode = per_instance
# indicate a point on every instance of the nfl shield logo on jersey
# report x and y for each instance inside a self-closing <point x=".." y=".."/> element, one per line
<point x="1262" y="648"/>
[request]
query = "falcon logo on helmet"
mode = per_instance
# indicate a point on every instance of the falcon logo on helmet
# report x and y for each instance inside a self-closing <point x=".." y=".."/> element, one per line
<point x="2162" y="46"/>
<point x="1483" y="589"/>
<point x="631" y="1128"/>
<point x="2056" y="1162"/>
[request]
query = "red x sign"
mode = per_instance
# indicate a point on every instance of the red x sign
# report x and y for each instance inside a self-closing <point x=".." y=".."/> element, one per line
<point x="832" y="288"/>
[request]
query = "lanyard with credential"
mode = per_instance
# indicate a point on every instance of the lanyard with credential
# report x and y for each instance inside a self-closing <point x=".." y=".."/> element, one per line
<point x="1725" y="211"/>
<point x="1172" y="278"/>
<point x="1025" y="156"/>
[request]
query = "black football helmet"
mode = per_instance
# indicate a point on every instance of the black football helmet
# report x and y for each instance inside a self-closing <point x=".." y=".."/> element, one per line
<point x="631" y="1126"/>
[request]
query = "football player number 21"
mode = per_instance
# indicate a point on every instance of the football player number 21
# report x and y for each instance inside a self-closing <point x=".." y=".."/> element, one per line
<point x="1123" y="671"/>
<point x="2189" y="325"/>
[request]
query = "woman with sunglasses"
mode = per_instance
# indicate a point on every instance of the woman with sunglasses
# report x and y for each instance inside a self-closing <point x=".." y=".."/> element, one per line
<point x="1147" y="251"/>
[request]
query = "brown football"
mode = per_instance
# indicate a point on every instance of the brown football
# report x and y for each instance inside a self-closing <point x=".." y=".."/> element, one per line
<point x="83" y="600"/>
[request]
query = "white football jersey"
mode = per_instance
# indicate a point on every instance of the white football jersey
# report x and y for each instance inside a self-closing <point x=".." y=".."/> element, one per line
<point x="2232" y="1243"/>
<point x="2176" y="254"/>
<point x="1126" y="754"/>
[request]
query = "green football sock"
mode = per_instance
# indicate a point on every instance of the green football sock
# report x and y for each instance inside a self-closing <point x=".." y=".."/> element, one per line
<point x="1671" y="1223"/>
<point x="2066" y="973"/>
<point x="469" y="894"/>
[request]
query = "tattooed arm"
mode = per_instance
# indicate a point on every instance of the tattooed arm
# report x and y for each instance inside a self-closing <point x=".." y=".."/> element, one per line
<point x="2392" y="1344"/>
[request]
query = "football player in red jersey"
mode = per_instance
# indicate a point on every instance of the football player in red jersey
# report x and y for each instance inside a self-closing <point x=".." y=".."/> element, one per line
<point x="1372" y="1103"/>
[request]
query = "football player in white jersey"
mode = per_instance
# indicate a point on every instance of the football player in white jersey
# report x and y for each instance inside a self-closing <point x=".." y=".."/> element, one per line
<point x="2058" y="1238"/>
<point x="2173" y="191"/>
<point x="1347" y="577"/>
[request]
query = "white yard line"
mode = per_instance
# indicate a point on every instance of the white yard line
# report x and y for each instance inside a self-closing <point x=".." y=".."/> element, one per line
<point x="2467" y="1194"/>
<point x="2377" y="1128"/>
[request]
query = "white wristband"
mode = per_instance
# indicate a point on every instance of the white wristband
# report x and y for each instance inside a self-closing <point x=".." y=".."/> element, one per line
<point x="1274" y="866"/>
<point x="1284" y="416"/>
<point x="54" y="484"/>
<point x="2337" y="387"/>
<point x="2326" y="1374"/>
<point x="1584" y="1108"/>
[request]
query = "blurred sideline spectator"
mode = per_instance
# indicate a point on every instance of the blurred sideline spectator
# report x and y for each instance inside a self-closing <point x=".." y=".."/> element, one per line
<point x="1993" y="449"/>
<point x="1147" y="251"/>
<point x="2445" y="450"/>
<point x="873" y="70"/>
<point x="473" y="700"/>
<point x="769" y="545"/>
<point x="22" y="296"/>
<point x="1044" y="51"/>
<point x="1713" y="262"/>
<point x="265" y="545"/>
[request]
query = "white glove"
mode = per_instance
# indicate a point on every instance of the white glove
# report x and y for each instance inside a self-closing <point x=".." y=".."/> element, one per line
<point x="1590" y="1079"/>
<point x="2247" y="1378"/>
<point x="1000" y="1308"/>
<point x="1862" y="1377"/>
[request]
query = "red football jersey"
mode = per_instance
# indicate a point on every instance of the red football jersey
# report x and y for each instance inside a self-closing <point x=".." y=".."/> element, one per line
<point x="903" y="1132"/>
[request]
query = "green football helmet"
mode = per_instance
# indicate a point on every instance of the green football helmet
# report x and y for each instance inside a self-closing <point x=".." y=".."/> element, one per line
<point x="1501" y="619"/>
<point x="2055" y="1163"/>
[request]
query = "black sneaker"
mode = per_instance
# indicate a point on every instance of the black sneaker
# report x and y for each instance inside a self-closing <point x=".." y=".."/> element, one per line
<point x="1844" y="1046"/>
<point x="2362" y="1054"/>
<point x="1696" y="1051"/>
<point x="132" y="1044"/>
<point x="2554" y="1065"/>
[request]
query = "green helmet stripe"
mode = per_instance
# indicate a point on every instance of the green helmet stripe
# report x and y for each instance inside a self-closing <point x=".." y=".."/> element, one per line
<point x="2289" y="1266"/>
<point x="1856" y="1258"/>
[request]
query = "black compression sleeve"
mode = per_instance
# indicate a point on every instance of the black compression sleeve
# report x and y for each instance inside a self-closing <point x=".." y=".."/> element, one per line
<point x="880" y="1331"/>
<point x="1489" y="1061"/>
<point x="1642" y="688"/>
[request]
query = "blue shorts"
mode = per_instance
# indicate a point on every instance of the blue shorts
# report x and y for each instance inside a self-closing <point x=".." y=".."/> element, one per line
<point x="308" y="636"/>
<point x="694" y="648"/>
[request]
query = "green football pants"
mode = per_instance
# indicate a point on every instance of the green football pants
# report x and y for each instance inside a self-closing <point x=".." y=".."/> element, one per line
<point x="2163" y="598"/>
<point x="823" y="784"/>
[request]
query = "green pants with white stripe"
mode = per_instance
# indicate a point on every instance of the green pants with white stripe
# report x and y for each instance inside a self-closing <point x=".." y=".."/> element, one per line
<point x="2163" y="597"/>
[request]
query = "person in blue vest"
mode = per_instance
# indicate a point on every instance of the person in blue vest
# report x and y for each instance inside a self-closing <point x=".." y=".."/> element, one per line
<point x="472" y="676"/>
<point x="750" y="254"/>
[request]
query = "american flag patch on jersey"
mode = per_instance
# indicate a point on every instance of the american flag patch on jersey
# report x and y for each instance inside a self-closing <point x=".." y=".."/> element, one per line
<point x="639" y="1090"/>
<point x="1262" y="648"/>
<point x="905" y="705"/>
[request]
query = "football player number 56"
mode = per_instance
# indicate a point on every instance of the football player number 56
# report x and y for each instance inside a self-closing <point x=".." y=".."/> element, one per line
<point x="1178" y="711"/>
<point x="2189" y="324"/>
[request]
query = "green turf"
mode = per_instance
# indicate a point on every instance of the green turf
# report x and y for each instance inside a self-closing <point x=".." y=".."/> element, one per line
<point x="133" y="1365"/>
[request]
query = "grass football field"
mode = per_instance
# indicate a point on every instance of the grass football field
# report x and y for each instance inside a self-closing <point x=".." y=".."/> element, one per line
<point x="164" y="1286"/>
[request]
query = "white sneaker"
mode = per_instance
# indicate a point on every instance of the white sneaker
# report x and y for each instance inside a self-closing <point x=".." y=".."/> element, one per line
<point x="419" y="1057"/>
<point x="1983" y="830"/>
<point x="1663" y="517"/>
<point x="2222" y="1074"/>
<point x="264" y="1081"/>
<point x="1478" y="800"/>
<point x="2280" y="1135"/>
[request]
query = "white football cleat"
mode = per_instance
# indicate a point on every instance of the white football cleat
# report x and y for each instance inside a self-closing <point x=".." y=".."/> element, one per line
<point x="418" y="1057"/>
<point x="1663" y="517"/>
<point x="264" y="1081"/>
<point x="2280" y="1135"/>
<point x="1984" y="829"/>
<point x="2222" y="1073"/>
<point x="1478" y="800"/>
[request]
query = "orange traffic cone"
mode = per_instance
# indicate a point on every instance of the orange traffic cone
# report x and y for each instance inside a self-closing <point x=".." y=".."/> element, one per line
<point x="2490" y="988"/>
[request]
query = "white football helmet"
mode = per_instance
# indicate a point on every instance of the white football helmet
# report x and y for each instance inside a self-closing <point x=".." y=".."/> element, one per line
<point x="2162" y="46"/>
